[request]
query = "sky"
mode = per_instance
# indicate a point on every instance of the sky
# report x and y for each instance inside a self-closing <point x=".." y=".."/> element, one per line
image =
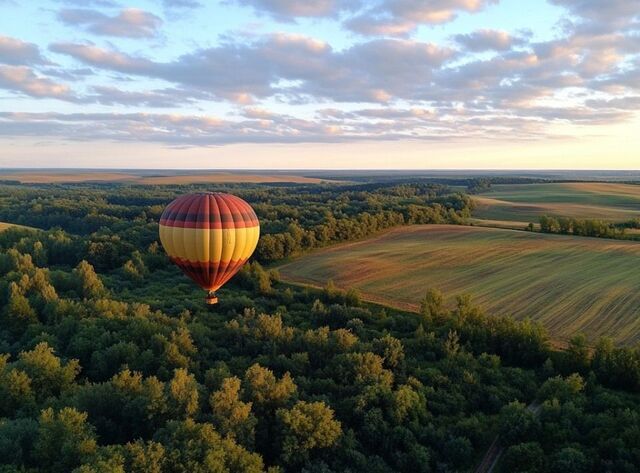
<point x="320" y="84"/>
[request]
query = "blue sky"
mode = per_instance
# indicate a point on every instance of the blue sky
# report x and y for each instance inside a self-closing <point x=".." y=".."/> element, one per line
<point x="320" y="83"/>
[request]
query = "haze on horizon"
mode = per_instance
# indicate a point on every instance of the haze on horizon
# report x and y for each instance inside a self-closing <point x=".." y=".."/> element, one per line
<point x="339" y="84"/>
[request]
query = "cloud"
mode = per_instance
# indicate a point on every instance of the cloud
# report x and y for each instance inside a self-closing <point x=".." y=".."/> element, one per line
<point x="376" y="71"/>
<point x="486" y="40"/>
<point x="128" y="23"/>
<point x="189" y="130"/>
<point x="402" y="17"/>
<point x="160" y="98"/>
<point x="22" y="79"/>
<point x="396" y="87"/>
<point x="370" y="17"/>
<point x="289" y="10"/>
<point x="611" y="12"/>
<point x="95" y="56"/>
<point x="16" y="52"/>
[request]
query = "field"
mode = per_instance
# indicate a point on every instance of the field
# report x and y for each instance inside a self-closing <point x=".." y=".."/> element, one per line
<point x="570" y="284"/>
<point x="153" y="178"/>
<point x="4" y="226"/>
<point x="527" y="202"/>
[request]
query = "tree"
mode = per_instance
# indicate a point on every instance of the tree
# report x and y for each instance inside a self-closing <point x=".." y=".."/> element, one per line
<point x="458" y="450"/>
<point x="569" y="459"/>
<point x="49" y="376"/>
<point x="517" y="423"/>
<point x="183" y="393"/>
<point x="65" y="439"/>
<point x="144" y="457"/>
<point x="88" y="283"/>
<point x="391" y="350"/>
<point x="562" y="389"/>
<point x="15" y="389"/>
<point x="305" y="427"/>
<point x="262" y="387"/>
<point x="192" y="447"/>
<point x="231" y="415"/>
<point x="432" y="305"/>
<point x="525" y="458"/>
<point x="18" y="311"/>
<point x="578" y="356"/>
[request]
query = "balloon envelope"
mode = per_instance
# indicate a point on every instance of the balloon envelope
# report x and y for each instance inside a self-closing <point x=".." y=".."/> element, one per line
<point x="210" y="236"/>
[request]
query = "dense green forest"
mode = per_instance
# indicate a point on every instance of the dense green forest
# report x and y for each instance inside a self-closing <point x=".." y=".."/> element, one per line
<point x="110" y="361"/>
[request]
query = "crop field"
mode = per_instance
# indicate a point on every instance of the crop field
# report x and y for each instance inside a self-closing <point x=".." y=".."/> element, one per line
<point x="159" y="178"/>
<point x="570" y="284"/>
<point x="527" y="202"/>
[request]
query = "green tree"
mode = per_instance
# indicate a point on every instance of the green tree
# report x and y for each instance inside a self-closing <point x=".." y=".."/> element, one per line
<point x="517" y="423"/>
<point x="18" y="312"/>
<point x="524" y="458"/>
<point x="305" y="427"/>
<point x="569" y="459"/>
<point x="65" y="440"/>
<point x="183" y="393"/>
<point x="432" y="305"/>
<point x="144" y="457"/>
<point x="191" y="447"/>
<point x="49" y="376"/>
<point x="265" y="390"/>
<point x="231" y="415"/>
<point x="88" y="283"/>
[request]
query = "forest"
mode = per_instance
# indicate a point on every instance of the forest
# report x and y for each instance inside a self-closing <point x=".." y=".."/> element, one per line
<point x="111" y="362"/>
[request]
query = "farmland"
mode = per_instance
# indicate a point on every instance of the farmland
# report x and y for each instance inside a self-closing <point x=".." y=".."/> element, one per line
<point x="527" y="202"/>
<point x="153" y="177"/>
<point x="569" y="284"/>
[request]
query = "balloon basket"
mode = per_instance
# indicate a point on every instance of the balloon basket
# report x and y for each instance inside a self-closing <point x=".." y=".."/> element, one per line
<point x="211" y="299"/>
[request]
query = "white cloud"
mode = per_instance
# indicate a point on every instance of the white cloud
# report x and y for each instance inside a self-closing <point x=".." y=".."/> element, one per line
<point x="129" y="22"/>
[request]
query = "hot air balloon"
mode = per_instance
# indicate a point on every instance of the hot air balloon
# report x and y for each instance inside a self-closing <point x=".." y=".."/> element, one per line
<point x="209" y="236"/>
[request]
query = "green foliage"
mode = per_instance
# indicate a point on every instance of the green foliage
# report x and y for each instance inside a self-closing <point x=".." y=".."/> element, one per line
<point x="307" y="426"/>
<point x="525" y="458"/>
<point x="65" y="439"/>
<point x="183" y="392"/>
<point x="88" y="283"/>
<point x="232" y="416"/>
<point x="517" y="423"/>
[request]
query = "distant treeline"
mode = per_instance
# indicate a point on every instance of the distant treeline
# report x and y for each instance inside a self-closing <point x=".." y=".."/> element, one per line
<point x="587" y="227"/>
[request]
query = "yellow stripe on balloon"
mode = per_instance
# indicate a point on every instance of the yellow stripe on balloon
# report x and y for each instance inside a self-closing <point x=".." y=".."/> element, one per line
<point x="209" y="245"/>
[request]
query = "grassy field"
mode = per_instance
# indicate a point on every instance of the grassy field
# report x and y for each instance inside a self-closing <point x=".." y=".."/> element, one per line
<point x="4" y="226"/>
<point x="570" y="284"/>
<point x="164" y="177"/>
<point x="527" y="202"/>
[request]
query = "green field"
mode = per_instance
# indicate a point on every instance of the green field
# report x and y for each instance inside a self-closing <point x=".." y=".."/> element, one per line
<point x="570" y="284"/>
<point x="527" y="202"/>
